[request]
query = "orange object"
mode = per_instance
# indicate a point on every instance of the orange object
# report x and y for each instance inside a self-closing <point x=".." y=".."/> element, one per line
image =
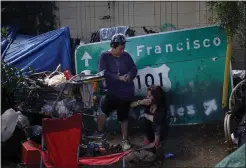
<point x="95" y="86"/>
<point x="102" y="150"/>
<point x="31" y="154"/>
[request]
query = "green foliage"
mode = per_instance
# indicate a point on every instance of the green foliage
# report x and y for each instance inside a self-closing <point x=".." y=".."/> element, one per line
<point x="4" y="31"/>
<point x="231" y="16"/>
<point x="32" y="17"/>
<point x="12" y="83"/>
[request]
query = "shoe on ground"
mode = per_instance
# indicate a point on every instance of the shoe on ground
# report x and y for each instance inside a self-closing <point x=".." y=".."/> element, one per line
<point x="126" y="145"/>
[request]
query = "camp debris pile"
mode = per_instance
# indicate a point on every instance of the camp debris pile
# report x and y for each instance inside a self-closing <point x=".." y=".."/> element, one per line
<point x="44" y="96"/>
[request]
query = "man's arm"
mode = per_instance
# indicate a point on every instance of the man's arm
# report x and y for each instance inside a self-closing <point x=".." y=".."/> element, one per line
<point x="102" y="66"/>
<point x="133" y="69"/>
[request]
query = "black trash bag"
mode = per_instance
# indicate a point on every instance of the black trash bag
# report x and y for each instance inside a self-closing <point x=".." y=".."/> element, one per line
<point x="11" y="149"/>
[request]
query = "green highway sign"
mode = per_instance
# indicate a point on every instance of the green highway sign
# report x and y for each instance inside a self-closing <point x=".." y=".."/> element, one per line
<point x="188" y="64"/>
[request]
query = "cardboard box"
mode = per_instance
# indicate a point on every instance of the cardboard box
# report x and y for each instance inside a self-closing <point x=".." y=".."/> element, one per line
<point x="31" y="154"/>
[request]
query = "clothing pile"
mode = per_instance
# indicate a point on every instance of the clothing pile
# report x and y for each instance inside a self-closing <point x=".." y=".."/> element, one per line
<point x="15" y="130"/>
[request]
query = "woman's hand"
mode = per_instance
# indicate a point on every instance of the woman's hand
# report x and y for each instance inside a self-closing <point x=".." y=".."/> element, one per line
<point x="149" y="117"/>
<point x="145" y="102"/>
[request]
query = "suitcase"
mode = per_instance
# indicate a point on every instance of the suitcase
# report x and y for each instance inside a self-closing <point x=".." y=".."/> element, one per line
<point x="31" y="154"/>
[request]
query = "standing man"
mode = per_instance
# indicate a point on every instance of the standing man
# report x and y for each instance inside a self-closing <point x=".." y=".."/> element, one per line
<point x="120" y="71"/>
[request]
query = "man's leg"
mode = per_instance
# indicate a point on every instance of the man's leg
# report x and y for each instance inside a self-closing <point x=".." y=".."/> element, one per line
<point x="106" y="105"/>
<point x="124" y="129"/>
<point x="122" y="114"/>
<point x="101" y="118"/>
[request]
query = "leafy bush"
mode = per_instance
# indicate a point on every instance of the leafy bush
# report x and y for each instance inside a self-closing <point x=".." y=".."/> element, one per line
<point x="13" y="82"/>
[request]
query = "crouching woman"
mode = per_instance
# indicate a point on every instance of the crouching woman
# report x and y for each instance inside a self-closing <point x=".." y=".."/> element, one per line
<point x="154" y="123"/>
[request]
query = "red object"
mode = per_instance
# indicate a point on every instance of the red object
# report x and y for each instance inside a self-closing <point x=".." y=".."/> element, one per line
<point x="31" y="154"/>
<point x="67" y="74"/>
<point x="103" y="160"/>
<point x="146" y="142"/>
<point x="62" y="138"/>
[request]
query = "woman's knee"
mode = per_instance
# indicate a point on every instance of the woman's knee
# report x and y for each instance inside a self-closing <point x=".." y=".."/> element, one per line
<point x="144" y="123"/>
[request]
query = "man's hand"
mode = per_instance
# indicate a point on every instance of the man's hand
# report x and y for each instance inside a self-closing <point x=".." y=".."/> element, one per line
<point x="128" y="78"/>
<point x="123" y="78"/>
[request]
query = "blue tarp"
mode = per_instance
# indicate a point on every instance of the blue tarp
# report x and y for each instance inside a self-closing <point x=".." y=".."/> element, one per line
<point x="43" y="52"/>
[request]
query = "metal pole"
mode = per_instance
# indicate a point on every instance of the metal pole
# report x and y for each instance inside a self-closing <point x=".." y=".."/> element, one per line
<point x="226" y="74"/>
<point x="124" y="162"/>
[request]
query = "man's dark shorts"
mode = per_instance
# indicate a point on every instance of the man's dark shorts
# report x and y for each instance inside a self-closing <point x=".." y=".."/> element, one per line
<point x="111" y="103"/>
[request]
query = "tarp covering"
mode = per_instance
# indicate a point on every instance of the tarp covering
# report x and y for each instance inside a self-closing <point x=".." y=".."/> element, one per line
<point x="235" y="159"/>
<point x="103" y="160"/>
<point x="8" y="38"/>
<point x="43" y="52"/>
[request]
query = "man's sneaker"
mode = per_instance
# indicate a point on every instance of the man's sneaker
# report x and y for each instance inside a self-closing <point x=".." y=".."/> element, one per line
<point x="126" y="145"/>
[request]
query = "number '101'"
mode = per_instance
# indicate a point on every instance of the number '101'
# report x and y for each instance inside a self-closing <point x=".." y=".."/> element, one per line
<point x="149" y="77"/>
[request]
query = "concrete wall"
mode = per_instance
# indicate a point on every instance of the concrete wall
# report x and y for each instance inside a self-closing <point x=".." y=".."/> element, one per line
<point x="83" y="18"/>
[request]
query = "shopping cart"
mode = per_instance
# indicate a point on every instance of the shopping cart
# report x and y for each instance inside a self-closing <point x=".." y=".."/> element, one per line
<point x="92" y="87"/>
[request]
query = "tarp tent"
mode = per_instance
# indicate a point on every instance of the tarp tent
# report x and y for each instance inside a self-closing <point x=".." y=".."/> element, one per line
<point x="235" y="159"/>
<point x="43" y="52"/>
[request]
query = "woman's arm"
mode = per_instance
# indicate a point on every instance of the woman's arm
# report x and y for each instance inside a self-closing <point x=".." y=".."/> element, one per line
<point x="144" y="102"/>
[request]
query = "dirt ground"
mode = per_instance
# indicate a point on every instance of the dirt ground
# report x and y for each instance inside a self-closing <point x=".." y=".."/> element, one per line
<point x="193" y="146"/>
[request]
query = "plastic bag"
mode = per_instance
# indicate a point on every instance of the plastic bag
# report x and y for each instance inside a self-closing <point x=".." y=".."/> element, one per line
<point x="47" y="109"/>
<point x="86" y="92"/>
<point x="36" y="130"/>
<point x="9" y="122"/>
<point x="62" y="109"/>
<point x="238" y="73"/>
<point x="23" y="121"/>
<point x="55" y="80"/>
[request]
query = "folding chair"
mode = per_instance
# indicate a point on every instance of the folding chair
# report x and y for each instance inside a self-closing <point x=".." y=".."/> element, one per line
<point x="62" y="137"/>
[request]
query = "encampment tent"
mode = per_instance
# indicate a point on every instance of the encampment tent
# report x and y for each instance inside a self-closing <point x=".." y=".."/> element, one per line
<point x="43" y="52"/>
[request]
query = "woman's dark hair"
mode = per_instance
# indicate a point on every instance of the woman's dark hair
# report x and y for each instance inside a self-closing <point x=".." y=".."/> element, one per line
<point x="159" y="95"/>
